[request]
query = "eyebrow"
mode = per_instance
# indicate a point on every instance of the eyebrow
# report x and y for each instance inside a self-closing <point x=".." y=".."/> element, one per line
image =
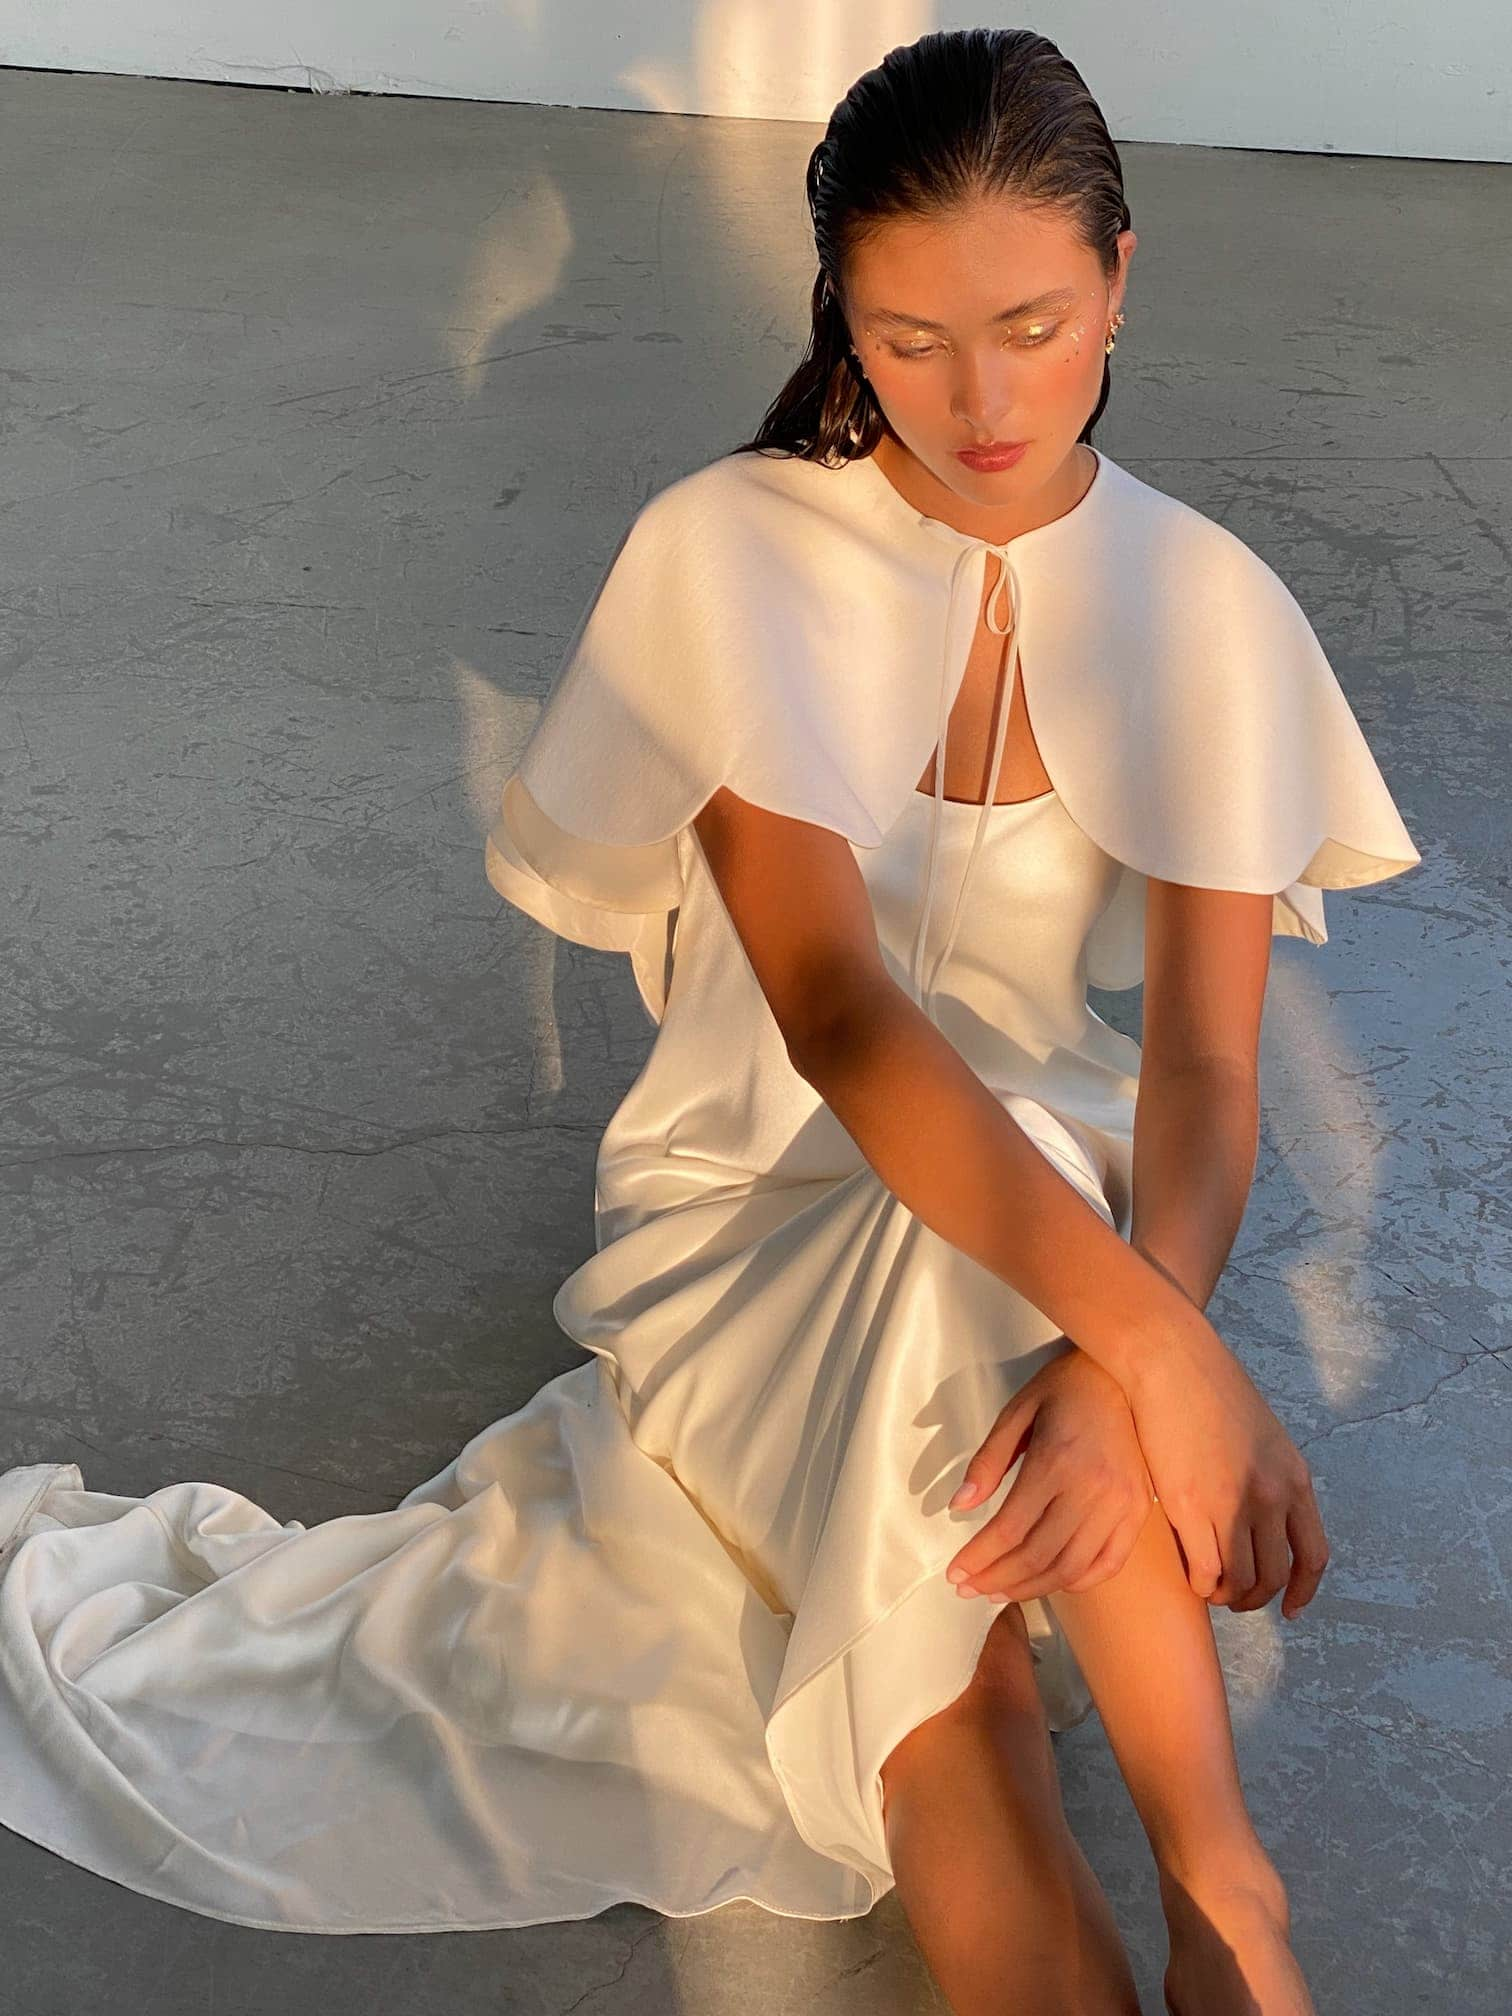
<point x="1007" y="315"/>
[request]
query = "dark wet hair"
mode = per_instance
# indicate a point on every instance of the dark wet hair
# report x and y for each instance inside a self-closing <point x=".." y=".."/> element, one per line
<point x="960" y="113"/>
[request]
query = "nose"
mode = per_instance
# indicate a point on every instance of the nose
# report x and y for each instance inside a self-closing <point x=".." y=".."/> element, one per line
<point x="981" y="398"/>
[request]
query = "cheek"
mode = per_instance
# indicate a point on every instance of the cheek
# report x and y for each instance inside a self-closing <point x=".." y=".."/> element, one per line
<point x="1075" y="379"/>
<point x="915" y="412"/>
<point x="904" y="392"/>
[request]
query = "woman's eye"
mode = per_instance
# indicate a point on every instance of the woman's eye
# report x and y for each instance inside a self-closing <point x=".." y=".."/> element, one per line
<point x="1036" y="334"/>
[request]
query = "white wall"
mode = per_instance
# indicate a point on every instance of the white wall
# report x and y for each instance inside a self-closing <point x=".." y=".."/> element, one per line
<point x="1398" y="77"/>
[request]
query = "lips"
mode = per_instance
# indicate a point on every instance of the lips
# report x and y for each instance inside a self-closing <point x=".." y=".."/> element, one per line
<point x="991" y="459"/>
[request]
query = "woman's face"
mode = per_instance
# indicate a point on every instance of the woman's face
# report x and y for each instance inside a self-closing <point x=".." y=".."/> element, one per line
<point x="985" y="325"/>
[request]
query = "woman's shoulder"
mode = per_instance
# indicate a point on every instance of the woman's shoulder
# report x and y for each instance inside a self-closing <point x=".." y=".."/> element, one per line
<point x="1183" y="542"/>
<point x="741" y="487"/>
<point x="799" y="515"/>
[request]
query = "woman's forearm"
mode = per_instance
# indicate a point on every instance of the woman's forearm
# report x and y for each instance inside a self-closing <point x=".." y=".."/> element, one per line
<point x="1196" y="1138"/>
<point x="944" y="1145"/>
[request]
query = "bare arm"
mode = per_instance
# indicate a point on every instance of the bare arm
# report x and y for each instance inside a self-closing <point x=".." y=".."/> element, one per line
<point x="944" y="1145"/>
<point x="1197" y="1117"/>
<point x="935" y="1134"/>
<point x="1195" y="1142"/>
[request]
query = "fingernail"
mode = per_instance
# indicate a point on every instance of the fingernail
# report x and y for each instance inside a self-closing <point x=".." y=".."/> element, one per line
<point x="963" y="1497"/>
<point x="965" y="1589"/>
<point x="956" y="1574"/>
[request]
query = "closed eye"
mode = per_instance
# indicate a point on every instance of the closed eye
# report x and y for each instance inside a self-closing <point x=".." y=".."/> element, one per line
<point x="1040" y="333"/>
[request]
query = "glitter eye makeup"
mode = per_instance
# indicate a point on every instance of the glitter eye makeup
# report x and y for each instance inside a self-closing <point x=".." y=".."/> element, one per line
<point x="1030" y="337"/>
<point x="1055" y="329"/>
<point x="1036" y="335"/>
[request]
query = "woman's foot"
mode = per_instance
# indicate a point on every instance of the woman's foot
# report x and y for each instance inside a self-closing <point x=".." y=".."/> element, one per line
<point x="1230" y="1947"/>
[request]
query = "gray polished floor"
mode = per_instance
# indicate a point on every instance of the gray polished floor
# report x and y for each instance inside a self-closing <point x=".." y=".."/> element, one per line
<point x="321" y="416"/>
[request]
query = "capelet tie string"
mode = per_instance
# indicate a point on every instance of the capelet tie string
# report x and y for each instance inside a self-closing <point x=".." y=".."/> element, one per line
<point x="1007" y="588"/>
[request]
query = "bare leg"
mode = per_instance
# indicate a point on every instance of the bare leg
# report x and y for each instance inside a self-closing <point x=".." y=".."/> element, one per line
<point x="1003" y="1904"/>
<point x="1145" y="1643"/>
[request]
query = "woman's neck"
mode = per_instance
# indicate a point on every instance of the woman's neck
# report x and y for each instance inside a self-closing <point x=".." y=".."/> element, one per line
<point x="920" y="487"/>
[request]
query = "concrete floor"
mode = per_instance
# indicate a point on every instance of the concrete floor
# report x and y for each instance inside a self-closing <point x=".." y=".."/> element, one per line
<point x="321" y="416"/>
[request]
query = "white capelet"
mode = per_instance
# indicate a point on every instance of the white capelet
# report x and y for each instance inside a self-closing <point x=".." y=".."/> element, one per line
<point x="799" y="633"/>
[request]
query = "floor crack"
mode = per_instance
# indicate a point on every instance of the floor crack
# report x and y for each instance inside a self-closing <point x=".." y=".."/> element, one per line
<point x="1402" y="1407"/>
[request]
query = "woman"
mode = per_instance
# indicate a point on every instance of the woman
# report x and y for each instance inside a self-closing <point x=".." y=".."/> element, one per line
<point x="869" y="759"/>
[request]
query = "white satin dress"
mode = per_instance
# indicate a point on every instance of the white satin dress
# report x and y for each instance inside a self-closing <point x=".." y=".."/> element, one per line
<point x="651" y="1636"/>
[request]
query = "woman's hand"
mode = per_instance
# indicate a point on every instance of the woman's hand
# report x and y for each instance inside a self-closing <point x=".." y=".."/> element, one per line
<point x="1231" y="1481"/>
<point x="1081" y="1497"/>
